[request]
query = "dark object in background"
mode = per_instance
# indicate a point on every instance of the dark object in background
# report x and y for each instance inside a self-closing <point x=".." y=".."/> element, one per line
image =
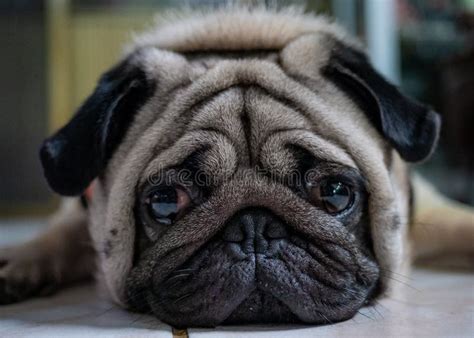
<point x="437" y="54"/>
<point x="23" y="107"/>
<point x="457" y="100"/>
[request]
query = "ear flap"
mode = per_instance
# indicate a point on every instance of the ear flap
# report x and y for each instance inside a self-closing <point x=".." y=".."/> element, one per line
<point x="409" y="126"/>
<point x="79" y="151"/>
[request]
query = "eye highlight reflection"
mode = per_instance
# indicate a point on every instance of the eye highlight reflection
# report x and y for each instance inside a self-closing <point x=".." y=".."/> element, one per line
<point x="333" y="195"/>
<point x="164" y="204"/>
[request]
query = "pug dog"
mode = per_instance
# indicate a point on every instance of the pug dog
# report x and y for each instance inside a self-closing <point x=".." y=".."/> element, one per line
<point x="244" y="166"/>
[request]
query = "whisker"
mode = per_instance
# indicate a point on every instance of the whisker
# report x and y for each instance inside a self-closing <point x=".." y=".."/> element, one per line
<point x="182" y="297"/>
<point x="365" y="315"/>
<point x="184" y="270"/>
<point x="177" y="277"/>
<point x="397" y="273"/>
<point x="404" y="283"/>
<point x="378" y="312"/>
<point x="325" y="318"/>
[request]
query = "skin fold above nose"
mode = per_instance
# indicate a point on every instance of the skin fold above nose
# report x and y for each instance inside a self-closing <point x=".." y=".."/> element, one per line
<point x="253" y="229"/>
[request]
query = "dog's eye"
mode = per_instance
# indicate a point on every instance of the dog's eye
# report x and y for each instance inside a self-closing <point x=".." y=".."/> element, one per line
<point x="164" y="204"/>
<point x="333" y="195"/>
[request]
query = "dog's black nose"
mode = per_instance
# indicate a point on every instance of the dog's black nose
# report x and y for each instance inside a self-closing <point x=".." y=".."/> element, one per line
<point x="254" y="230"/>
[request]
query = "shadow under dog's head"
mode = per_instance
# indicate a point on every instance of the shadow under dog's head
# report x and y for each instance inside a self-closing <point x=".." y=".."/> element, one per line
<point x="248" y="168"/>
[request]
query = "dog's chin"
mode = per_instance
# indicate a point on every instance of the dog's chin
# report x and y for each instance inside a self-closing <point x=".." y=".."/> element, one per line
<point x="291" y="282"/>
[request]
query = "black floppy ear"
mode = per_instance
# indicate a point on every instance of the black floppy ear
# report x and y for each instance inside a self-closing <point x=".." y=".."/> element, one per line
<point x="409" y="126"/>
<point x="79" y="151"/>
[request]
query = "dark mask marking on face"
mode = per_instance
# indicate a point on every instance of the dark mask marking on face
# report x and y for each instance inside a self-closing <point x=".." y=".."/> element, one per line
<point x="260" y="269"/>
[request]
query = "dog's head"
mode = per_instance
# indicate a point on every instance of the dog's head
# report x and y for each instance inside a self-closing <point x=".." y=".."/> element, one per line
<point x="248" y="168"/>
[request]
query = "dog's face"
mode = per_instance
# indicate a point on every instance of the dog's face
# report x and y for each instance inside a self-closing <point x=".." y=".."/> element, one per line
<point x="262" y="228"/>
<point x="244" y="187"/>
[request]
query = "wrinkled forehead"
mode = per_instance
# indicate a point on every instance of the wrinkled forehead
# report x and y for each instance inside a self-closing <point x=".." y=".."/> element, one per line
<point x="245" y="125"/>
<point x="256" y="110"/>
<point x="247" y="109"/>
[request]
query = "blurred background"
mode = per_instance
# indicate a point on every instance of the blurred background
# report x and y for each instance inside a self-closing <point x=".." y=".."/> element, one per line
<point x="53" y="52"/>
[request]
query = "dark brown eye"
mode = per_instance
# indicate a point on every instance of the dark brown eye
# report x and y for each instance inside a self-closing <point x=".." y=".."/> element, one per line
<point x="165" y="203"/>
<point x="333" y="195"/>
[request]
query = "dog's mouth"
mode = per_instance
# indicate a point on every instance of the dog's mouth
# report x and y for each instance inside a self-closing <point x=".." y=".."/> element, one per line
<point x="261" y="307"/>
<point x="215" y="287"/>
<point x="259" y="272"/>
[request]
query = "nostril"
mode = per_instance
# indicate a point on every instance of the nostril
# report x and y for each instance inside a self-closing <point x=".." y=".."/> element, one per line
<point x="275" y="230"/>
<point x="233" y="234"/>
<point x="253" y="228"/>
